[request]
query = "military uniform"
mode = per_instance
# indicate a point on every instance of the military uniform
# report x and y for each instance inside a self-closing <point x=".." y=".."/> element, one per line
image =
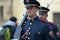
<point x="35" y="29"/>
<point x="38" y="30"/>
<point x="43" y="11"/>
<point x="54" y="26"/>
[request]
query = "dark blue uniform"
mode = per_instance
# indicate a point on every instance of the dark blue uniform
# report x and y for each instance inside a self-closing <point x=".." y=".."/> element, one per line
<point x="54" y="27"/>
<point x="38" y="30"/>
<point x="43" y="11"/>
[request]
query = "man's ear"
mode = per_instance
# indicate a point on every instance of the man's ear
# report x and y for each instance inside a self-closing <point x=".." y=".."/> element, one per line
<point x="47" y="15"/>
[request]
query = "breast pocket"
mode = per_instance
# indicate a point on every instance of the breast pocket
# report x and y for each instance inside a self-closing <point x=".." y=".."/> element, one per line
<point x="38" y="36"/>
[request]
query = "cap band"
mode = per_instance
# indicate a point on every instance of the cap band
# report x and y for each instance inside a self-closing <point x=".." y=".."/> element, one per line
<point x="31" y="5"/>
<point x="44" y="10"/>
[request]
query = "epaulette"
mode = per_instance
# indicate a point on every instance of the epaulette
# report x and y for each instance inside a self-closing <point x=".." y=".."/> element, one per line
<point x="43" y="20"/>
<point x="52" y="23"/>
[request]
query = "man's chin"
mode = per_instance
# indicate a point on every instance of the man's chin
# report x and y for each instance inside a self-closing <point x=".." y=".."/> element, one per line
<point x="29" y="15"/>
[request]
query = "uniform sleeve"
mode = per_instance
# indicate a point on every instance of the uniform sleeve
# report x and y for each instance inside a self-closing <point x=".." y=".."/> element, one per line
<point x="55" y="29"/>
<point x="46" y="32"/>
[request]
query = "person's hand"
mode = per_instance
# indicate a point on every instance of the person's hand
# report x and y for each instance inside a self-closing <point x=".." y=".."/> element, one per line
<point x="51" y="34"/>
<point x="58" y="34"/>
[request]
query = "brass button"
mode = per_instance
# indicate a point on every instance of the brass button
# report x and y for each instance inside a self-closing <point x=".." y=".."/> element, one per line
<point x="28" y="37"/>
<point x="38" y="32"/>
<point x="29" y="32"/>
<point x="30" y="23"/>
<point x="29" y="28"/>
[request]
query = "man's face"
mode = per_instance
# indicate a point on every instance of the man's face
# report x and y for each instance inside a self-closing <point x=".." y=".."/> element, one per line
<point x="44" y="16"/>
<point x="31" y="11"/>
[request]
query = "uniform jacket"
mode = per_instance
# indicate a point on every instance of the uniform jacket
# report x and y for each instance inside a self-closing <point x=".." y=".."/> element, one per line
<point x="53" y="27"/>
<point x="38" y="30"/>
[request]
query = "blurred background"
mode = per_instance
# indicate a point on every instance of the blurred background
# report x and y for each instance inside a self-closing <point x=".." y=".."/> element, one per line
<point x="16" y="8"/>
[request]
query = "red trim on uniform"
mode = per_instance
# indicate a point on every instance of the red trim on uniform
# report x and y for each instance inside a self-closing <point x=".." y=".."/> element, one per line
<point x="43" y="20"/>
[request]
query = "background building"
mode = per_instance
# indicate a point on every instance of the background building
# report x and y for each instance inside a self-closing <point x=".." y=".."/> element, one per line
<point x="5" y="11"/>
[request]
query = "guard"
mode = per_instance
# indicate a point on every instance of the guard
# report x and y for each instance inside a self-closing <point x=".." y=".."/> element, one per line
<point x="34" y="29"/>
